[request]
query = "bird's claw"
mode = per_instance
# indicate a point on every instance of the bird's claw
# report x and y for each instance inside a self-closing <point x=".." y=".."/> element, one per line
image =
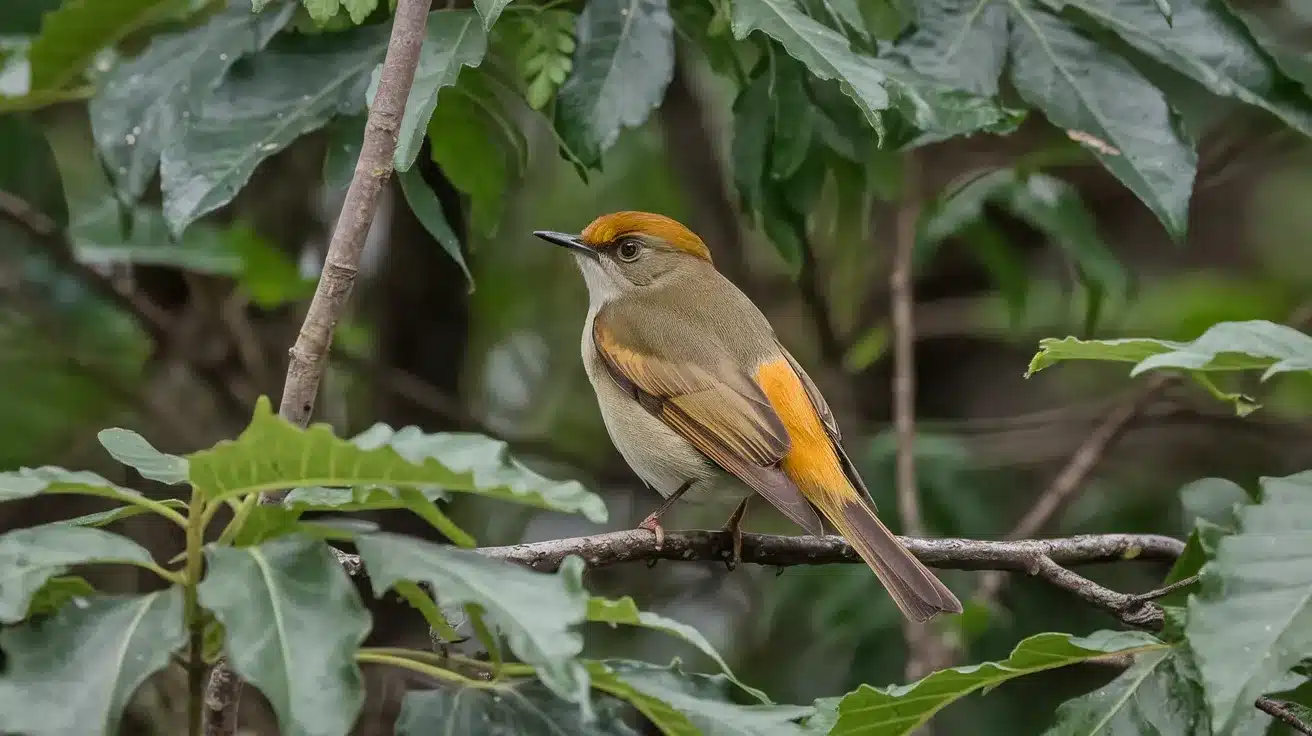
<point x="653" y="525"/>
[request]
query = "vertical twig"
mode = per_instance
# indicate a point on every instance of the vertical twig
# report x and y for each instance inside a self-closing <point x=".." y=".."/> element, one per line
<point x="310" y="352"/>
<point x="922" y="645"/>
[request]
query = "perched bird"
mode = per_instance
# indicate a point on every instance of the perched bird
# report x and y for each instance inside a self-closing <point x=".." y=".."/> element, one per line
<point x="699" y="396"/>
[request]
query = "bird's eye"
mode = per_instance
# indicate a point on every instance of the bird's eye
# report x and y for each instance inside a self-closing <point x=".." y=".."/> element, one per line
<point x="629" y="250"/>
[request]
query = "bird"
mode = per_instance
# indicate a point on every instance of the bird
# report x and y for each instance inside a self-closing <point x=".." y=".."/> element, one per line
<point x="700" y="397"/>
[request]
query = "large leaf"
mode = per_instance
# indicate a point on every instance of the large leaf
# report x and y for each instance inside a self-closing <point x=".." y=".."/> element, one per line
<point x="30" y="557"/>
<point x="474" y="161"/>
<point x="1279" y="28"/>
<point x="1106" y="104"/>
<point x="960" y="42"/>
<point x="538" y="613"/>
<point x="689" y="704"/>
<point x="1227" y="346"/>
<point x="104" y="649"/>
<point x="824" y="51"/>
<point x="1261" y="576"/>
<point x="901" y="709"/>
<point x="72" y="35"/>
<point x="1204" y="44"/>
<point x="625" y="611"/>
<point x="290" y="89"/>
<point x="427" y="209"/>
<point x="135" y="451"/>
<point x="272" y="454"/>
<point x="140" y="102"/>
<point x="622" y="64"/>
<point x="508" y="708"/>
<point x="454" y="39"/>
<point x="1158" y="694"/>
<point x="293" y="622"/>
<point x="28" y="482"/>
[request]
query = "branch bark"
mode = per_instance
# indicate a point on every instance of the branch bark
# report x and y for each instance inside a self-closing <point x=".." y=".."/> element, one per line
<point x="342" y="263"/>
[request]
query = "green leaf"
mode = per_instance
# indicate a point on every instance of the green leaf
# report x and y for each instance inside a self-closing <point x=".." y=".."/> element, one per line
<point x="1216" y="500"/>
<point x="689" y="704"/>
<point x="72" y="35"/>
<point x="109" y="516"/>
<point x="962" y="43"/>
<point x="1106" y="104"/>
<point x="56" y="593"/>
<point x="30" y="557"/>
<point x="100" y="236"/>
<point x="293" y="623"/>
<point x="901" y="709"/>
<point x="623" y="63"/>
<point x="1158" y="694"/>
<point x="107" y="647"/>
<point x="489" y="11"/>
<point x="1205" y="45"/>
<point x="133" y="450"/>
<point x="345" y="136"/>
<point x="539" y="613"/>
<point x="1226" y="346"/>
<point x="28" y="482"/>
<point x="428" y="210"/>
<point x="473" y="160"/>
<point x="938" y="112"/>
<point x="825" y="52"/>
<point x="1261" y="577"/>
<point x="454" y="39"/>
<point x="360" y="10"/>
<point x="625" y="611"/>
<point x="290" y="89"/>
<point x="31" y="171"/>
<point x="272" y="454"/>
<point x="508" y="708"/>
<point x="140" y="103"/>
<point x="1278" y="27"/>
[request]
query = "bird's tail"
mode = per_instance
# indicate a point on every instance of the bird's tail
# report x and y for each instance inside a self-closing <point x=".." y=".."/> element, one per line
<point x="916" y="591"/>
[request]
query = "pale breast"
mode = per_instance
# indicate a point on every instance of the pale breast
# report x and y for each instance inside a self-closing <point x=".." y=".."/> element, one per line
<point x="658" y="454"/>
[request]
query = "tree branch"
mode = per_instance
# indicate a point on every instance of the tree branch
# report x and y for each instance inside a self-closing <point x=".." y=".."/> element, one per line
<point x="310" y="351"/>
<point x="1281" y="712"/>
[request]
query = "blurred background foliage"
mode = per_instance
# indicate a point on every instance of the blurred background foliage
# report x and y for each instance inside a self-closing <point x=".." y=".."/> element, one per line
<point x="497" y="351"/>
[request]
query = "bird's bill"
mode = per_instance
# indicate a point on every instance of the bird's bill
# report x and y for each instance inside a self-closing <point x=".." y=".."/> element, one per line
<point x="565" y="240"/>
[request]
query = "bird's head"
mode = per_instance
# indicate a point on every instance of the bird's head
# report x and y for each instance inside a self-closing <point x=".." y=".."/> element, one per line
<point x="624" y="252"/>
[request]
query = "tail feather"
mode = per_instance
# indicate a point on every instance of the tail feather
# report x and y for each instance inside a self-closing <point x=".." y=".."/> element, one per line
<point x="916" y="591"/>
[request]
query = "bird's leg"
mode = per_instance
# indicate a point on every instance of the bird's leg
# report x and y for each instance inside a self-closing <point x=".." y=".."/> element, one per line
<point x="653" y="521"/>
<point x="734" y="526"/>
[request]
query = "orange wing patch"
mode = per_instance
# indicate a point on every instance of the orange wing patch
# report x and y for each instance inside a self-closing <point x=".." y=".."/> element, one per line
<point x="607" y="228"/>
<point x="812" y="462"/>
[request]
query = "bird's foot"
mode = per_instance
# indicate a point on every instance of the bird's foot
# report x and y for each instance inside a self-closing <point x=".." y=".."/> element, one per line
<point x="734" y="528"/>
<point x="653" y="524"/>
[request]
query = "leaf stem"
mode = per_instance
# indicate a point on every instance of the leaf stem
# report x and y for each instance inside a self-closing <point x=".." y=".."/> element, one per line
<point x="388" y="657"/>
<point x="197" y="515"/>
<point x="239" y="516"/>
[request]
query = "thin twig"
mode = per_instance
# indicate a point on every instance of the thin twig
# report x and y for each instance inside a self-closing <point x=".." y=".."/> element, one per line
<point x="310" y="352"/>
<point x="1281" y="712"/>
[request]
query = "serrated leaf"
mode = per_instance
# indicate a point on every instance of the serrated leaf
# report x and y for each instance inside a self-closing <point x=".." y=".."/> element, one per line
<point x="901" y="709"/>
<point x="108" y="647"/>
<point x="1158" y="694"/>
<point x="360" y="10"/>
<point x="427" y="209"/>
<point x="30" y="557"/>
<point x="288" y="90"/>
<point x="272" y="454"/>
<point x="289" y="610"/>
<point x="72" y="35"/>
<point x="690" y="704"/>
<point x="538" y="613"/>
<point x="139" y="105"/>
<point x="58" y="592"/>
<point x="508" y="708"/>
<point x="625" y="611"/>
<point x="825" y="52"/>
<point x="133" y="450"/>
<point x="1203" y="44"/>
<point x="490" y="11"/>
<point x="1107" y="105"/>
<point x="454" y="39"/>
<point x="623" y="62"/>
<point x="1260" y="576"/>
<point x="962" y="43"/>
<point x="1226" y="346"/>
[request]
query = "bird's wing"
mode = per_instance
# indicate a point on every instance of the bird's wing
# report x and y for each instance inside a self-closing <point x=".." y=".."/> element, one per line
<point x="709" y="402"/>
<point x="831" y="424"/>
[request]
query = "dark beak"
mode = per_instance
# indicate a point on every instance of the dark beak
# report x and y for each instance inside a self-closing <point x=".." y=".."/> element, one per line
<point x="565" y="240"/>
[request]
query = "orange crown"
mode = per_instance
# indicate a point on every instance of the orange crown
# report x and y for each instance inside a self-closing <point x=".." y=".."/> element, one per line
<point x="607" y="228"/>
